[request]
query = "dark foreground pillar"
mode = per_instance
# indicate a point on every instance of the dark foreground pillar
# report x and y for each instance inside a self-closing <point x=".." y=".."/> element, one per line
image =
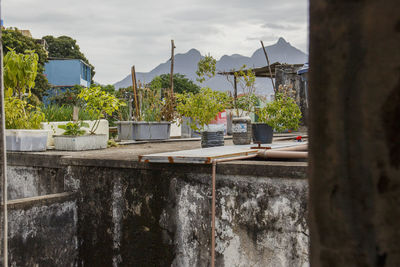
<point x="355" y="132"/>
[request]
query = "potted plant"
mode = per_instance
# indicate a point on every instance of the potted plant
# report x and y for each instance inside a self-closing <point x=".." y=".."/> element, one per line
<point x="280" y="114"/>
<point x="97" y="103"/>
<point x="66" y="107"/>
<point x="202" y="108"/>
<point x="22" y="119"/>
<point x="243" y="106"/>
<point x="155" y="116"/>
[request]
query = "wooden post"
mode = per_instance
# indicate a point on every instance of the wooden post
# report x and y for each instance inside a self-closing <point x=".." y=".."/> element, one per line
<point x="172" y="68"/>
<point x="133" y="73"/>
<point x="269" y="66"/>
<point x="3" y="155"/>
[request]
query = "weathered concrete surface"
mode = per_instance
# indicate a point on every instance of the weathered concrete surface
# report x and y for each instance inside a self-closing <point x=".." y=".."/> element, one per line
<point x="42" y="232"/>
<point x="33" y="181"/>
<point x="161" y="217"/>
<point x="355" y="147"/>
<point x="127" y="213"/>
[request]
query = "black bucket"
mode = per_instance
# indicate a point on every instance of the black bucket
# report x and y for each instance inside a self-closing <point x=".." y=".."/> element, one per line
<point x="262" y="133"/>
<point x="211" y="139"/>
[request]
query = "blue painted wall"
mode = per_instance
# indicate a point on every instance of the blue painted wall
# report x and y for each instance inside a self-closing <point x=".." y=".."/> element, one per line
<point x="67" y="72"/>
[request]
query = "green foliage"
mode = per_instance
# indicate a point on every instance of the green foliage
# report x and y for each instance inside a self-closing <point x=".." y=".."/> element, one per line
<point x="181" y="83"/>
<point x="68" y="96"/>
<point x="19" y="73"/>
<point x="74" y="128"/>
<point x="247" y="102"/>
<point x="66" y="47"/>
<point x="21" y="115"/>
<point x="64" y="113"/>
<point x="150" y="104"/>
<point x="202" y="107"/>
<point x="206" y="68"/>
<point x="281" y="114"/>
<point x="245" y="79"/>
<point x="13" y="38"/>
<point x="98" y="103"/>
<point x="19" y="76"/>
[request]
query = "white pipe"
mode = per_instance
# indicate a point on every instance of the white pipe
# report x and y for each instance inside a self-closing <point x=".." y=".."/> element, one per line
<point x="303" y="147"/>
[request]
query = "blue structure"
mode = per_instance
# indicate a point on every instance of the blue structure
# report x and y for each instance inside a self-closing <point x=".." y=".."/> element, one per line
<point x="67" y="73"/>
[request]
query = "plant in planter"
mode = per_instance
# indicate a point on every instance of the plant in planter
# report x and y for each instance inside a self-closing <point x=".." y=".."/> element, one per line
<point x="281" y="114"/>
<point x="97" y="103"/>
<point x="22" y="119"/>
<point x="243" y="106"/>
<point x="155" y="116"/>
<point x="202" y="108"/>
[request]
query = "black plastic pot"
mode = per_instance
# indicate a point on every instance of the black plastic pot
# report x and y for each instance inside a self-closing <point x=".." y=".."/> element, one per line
<point x="262" y="133"/>
<point x="211" y="139"/>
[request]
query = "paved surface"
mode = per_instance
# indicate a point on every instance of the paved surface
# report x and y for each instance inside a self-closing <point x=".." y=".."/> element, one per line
<point x="133" y="151"/>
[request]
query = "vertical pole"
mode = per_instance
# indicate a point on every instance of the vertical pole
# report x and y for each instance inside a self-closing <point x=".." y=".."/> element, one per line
<point x="3" y="153"/>
<point x="172" y="67"/>
<point x="214" y="167"/>
<point x="235" y="94"/>
<point x="269" y="66"/>
<point x="134" y="86"/>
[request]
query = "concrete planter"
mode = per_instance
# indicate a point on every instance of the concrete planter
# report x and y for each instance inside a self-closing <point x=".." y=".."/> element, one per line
<point x="241" y="130"/>
<point x="26" y="140"/>
<point x="53" y="129"/>
<point x="78" y="143"/>
<point x="141" y="130"/>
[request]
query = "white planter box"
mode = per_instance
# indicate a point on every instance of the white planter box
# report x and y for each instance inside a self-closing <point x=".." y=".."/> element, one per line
<point x="54" y="130"/>
<point x="26" y="140"/>
<point x="78" y="143"/>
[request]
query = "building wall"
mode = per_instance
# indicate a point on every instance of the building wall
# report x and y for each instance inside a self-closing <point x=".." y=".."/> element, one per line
<point x="68" y="72"/>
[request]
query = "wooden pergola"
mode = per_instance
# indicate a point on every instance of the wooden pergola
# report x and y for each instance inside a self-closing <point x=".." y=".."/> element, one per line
<point x="262" y="72"/>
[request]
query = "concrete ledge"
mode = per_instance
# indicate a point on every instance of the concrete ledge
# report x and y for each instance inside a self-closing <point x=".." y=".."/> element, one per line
<point x="25" y="203"/>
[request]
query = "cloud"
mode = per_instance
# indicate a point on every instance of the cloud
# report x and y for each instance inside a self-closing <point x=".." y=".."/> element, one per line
<point x="116" y="34"/>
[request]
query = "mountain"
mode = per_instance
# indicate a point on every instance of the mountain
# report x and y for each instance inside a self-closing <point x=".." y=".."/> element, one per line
<point x="186" y="64"/>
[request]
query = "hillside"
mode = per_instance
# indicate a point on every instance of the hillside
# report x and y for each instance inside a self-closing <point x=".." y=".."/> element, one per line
<point x="186" y="64"/>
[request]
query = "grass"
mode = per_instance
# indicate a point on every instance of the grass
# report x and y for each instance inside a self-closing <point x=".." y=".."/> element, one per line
<point x="63" y="113"/>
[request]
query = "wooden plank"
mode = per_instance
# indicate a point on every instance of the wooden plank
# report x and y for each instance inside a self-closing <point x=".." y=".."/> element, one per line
<point x="206" y="155"/>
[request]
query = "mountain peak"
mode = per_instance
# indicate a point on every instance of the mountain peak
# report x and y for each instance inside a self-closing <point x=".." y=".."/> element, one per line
<point x="282" y="41"/>
<point x="193" y="51"/>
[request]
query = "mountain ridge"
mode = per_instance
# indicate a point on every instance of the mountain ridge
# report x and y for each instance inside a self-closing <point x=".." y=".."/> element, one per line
<point x="186" y="64"/>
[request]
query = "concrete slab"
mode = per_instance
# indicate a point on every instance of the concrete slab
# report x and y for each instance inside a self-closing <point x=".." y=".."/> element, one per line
<point x="206" y="155"/>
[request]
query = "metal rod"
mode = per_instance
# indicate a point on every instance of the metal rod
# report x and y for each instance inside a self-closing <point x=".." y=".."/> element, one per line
<point x="269" y="66"/>
<point x="3" y="153"/>
<point x="214" y="171"/>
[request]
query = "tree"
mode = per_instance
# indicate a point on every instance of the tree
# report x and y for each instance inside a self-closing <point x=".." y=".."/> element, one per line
<point x="66" y="47"/>
<point x="13" y="38"/>
<point x="181" y="83"/>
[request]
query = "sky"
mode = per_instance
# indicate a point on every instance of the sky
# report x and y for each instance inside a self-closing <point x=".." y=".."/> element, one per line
<point x="116" y="34"/>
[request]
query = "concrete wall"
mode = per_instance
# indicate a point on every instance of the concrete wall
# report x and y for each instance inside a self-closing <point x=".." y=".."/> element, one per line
<point x="287" y="75"/>
<point x="355" y="147"/>
<point x="42" y="231"/>
<point x="159" y="214"/>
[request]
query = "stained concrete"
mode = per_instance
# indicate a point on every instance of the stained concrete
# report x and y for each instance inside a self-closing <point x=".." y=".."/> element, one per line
<point x="354" y="134"/>
<point x="126" y="213"/>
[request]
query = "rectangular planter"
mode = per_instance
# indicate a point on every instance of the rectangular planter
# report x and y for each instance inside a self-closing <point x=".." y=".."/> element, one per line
<point x="26" y="140"/>
<point x="53" y="129"/>
<point x="141" y="130"/>
<point x="78" y="143"/>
